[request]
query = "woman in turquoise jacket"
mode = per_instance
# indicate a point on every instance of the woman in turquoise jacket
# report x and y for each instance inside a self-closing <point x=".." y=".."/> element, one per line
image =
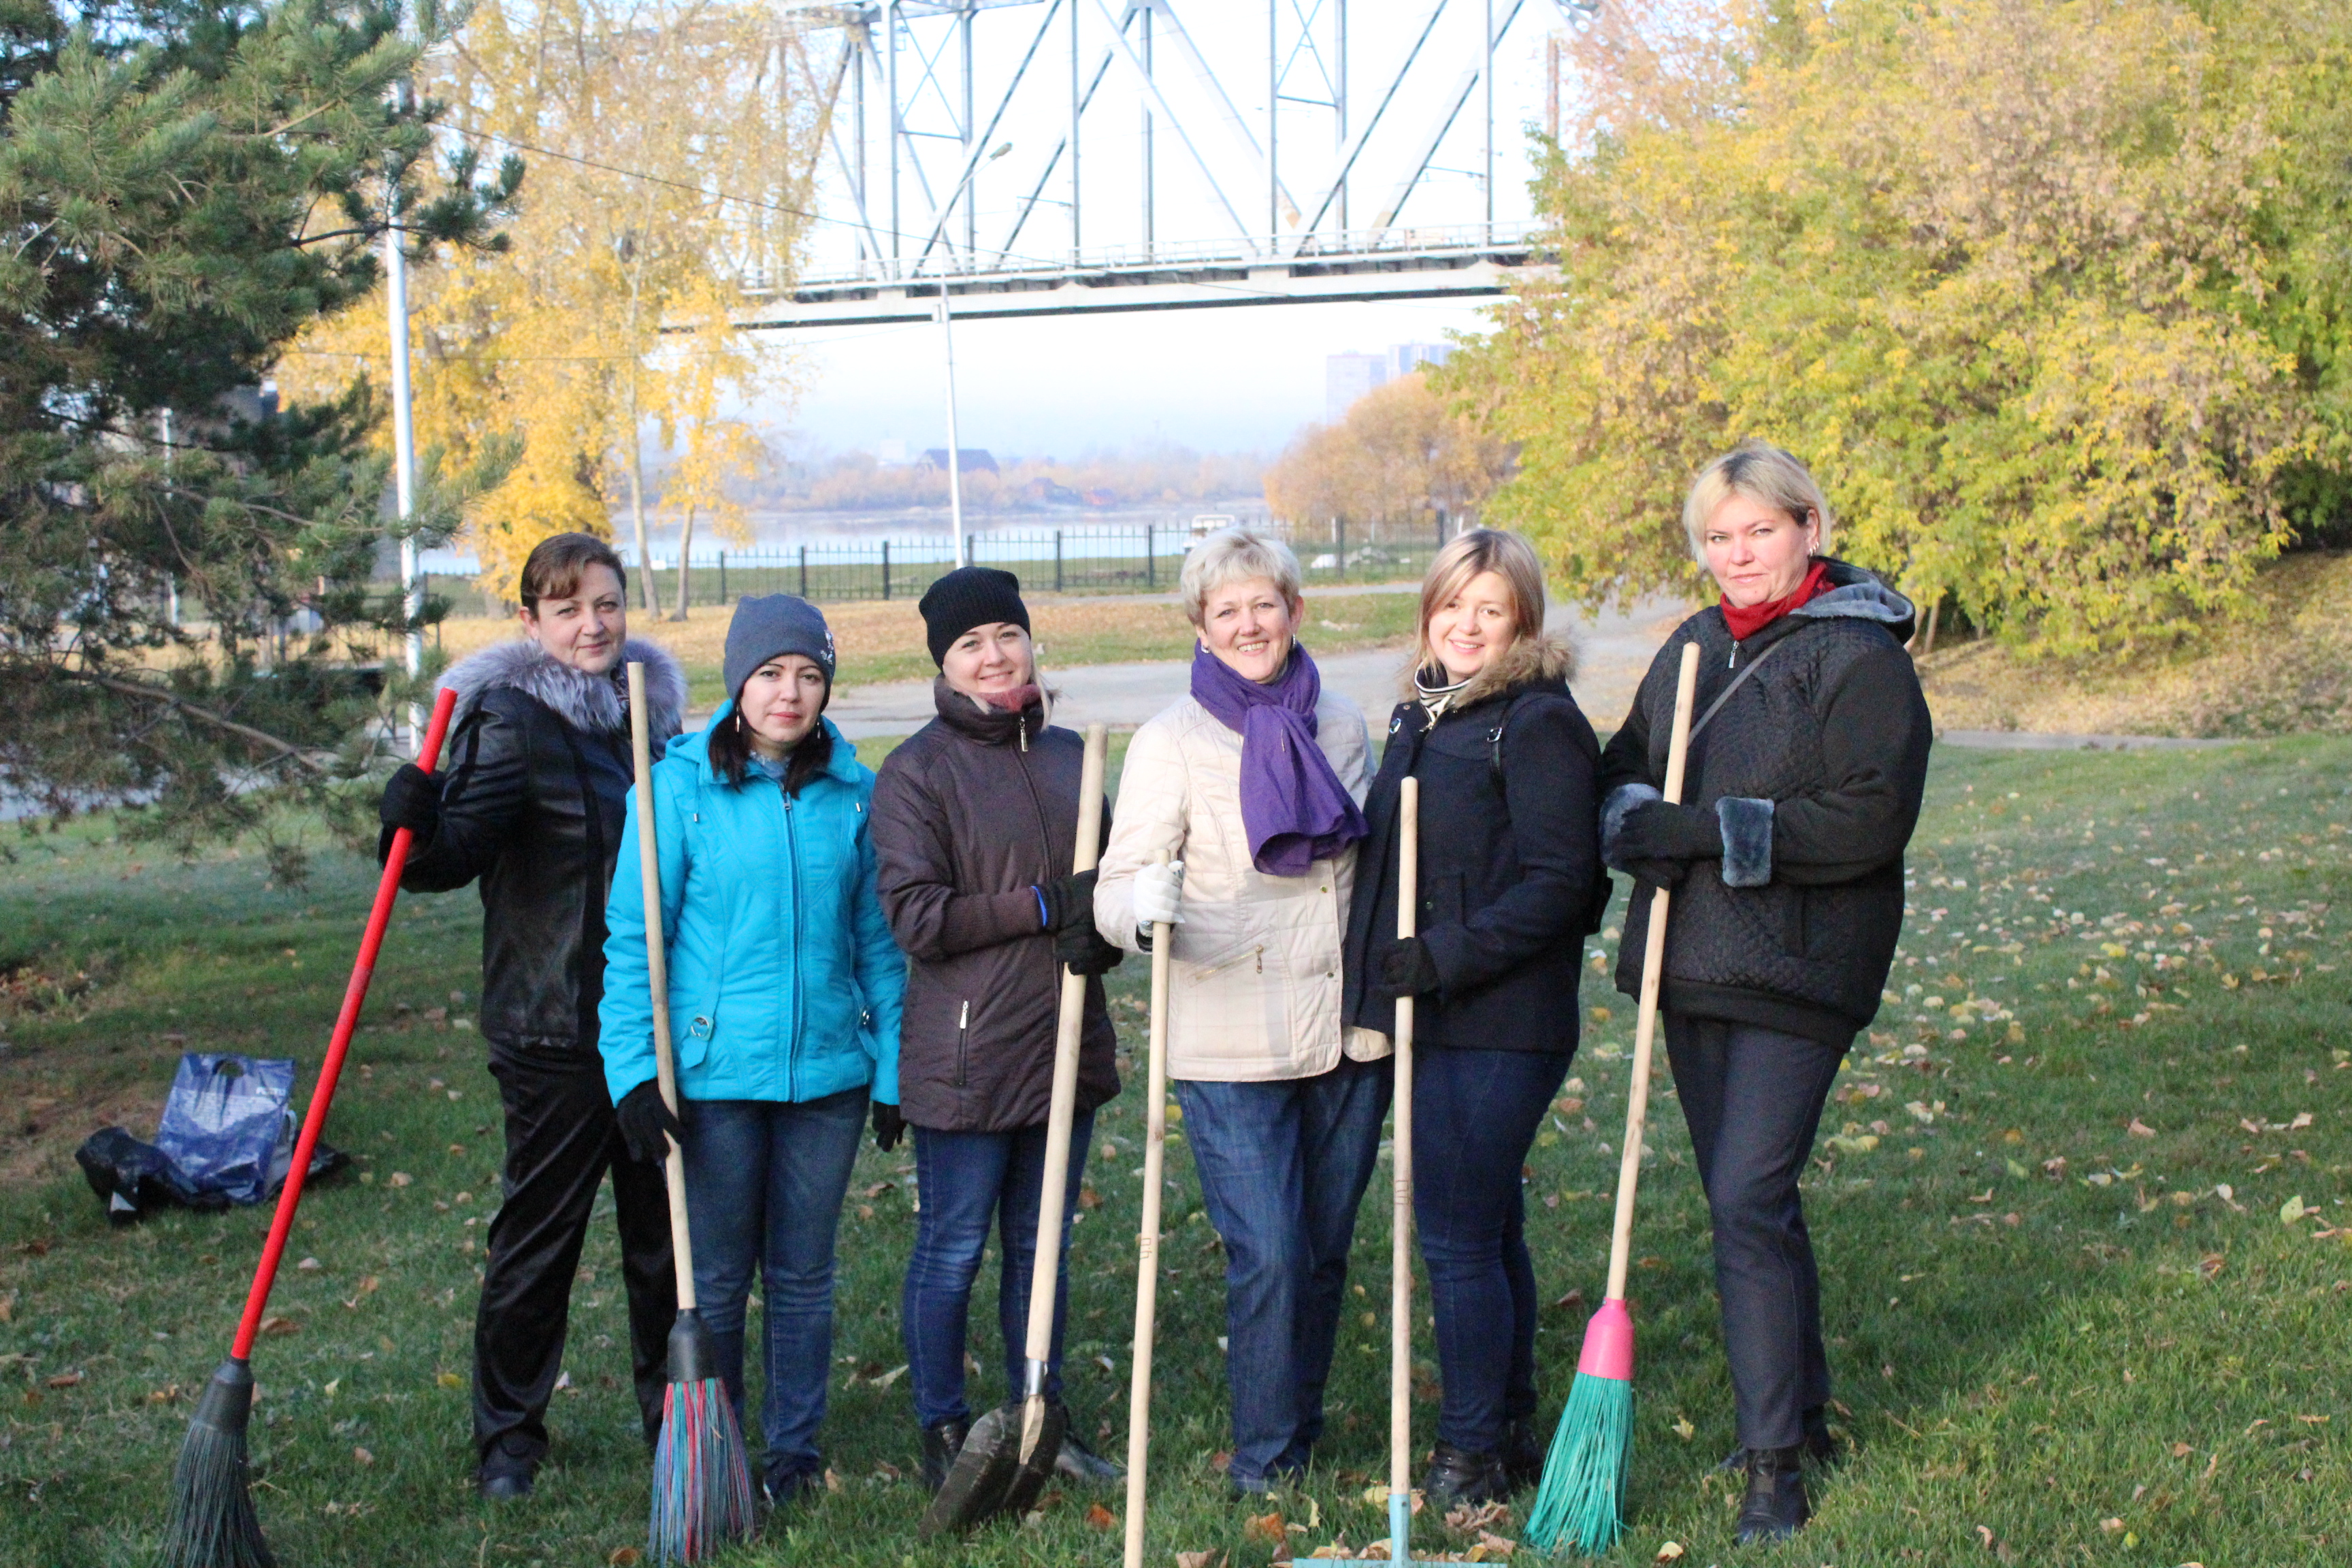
<point x="784" y="989"/>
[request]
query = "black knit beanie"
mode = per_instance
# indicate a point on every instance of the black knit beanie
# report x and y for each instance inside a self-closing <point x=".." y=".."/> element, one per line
<point x="966" y="597"/>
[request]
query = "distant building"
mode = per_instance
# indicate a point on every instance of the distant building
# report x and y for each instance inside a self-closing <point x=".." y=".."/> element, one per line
<point x="1406" y="358"/>
<point x="1348" y="376"/>
<point x="969" y="459"/>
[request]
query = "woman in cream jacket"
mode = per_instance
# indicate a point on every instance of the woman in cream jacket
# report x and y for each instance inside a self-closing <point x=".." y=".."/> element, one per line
<point x="1252" y="785"/>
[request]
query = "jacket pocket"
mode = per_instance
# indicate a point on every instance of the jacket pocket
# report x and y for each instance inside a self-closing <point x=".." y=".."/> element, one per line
<point x="1444" y="898"/>
<point x="963" y="1042"/>
<point x="1253" y="955"/>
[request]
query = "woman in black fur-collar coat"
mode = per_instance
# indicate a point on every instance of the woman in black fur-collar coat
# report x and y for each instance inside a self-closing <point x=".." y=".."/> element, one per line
<point x="530" y="803"/>
<point x="1510" y="882"/>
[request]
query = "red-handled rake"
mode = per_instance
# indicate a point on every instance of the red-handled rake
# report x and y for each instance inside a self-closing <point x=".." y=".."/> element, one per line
<point x="213" y="1524"/>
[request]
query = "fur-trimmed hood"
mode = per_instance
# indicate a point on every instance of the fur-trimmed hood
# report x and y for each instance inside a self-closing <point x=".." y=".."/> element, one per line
<point x="593" y="703"/>
<point x="1528" y="660"/>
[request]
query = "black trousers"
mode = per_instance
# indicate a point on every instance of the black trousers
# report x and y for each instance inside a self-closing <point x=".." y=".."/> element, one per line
<point x="560" y="1139"/>
<point x="1753" y="1098"/>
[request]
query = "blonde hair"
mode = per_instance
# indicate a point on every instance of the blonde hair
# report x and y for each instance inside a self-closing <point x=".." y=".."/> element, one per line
<point x="1764" y="474"/>
<point x="1465" y="557"/>
<point x="1236" y="555"/>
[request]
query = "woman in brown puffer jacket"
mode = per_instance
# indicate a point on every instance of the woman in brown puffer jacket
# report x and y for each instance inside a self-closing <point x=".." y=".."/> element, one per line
<point x="975" y="819"/>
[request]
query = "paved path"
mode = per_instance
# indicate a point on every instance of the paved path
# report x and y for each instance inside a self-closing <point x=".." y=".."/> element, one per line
<point x="1612" y="650"/>
<point x="2035" y="741"/>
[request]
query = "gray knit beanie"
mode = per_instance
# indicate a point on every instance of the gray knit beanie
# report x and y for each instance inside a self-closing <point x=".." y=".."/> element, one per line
<point x="769" y="626"/>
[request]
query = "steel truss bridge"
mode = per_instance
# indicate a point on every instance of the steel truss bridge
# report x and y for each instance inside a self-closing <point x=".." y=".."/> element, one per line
<point x="1054" y="157"/>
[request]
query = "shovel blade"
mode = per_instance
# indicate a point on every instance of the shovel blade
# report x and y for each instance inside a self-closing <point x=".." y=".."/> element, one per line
<point x="1034" y="1471"/>
<point x="981" y="1478"/>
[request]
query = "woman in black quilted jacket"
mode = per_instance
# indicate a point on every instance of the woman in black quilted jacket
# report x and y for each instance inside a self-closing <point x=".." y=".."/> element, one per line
<point x="1807" y="766"/>
<point x="1510" y="871"/>
<point x="530" y="803"/>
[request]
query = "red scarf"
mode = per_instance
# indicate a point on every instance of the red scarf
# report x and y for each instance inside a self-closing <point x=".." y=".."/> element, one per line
<point x="1746" y="623"/>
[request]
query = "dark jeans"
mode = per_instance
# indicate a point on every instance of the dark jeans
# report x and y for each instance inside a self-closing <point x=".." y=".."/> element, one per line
<point x="968" y="1180"/>
<point x="1283" y="1169"/>
<point x="561" y="1138"/>
<point x="765" y="1181"/>
<point x="1475" y="1114"/>
<point x="1753" y="1098"/>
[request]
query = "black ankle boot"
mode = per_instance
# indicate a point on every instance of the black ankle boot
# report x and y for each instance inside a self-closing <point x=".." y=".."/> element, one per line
<point x="1523" y="1454"/>
<point x="942" y="1441"/>
<point x="1775" y="1507"/>
<point x="1820" y="1444"/>
<point x="1458" y="1474"/>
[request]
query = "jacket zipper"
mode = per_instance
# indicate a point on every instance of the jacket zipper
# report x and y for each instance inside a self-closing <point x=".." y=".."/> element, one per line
<point x="793" y="1049"/>
<point x="964" y="1041"/>
<point x="1037" y="808"/>
<point x="1256" y="954"/>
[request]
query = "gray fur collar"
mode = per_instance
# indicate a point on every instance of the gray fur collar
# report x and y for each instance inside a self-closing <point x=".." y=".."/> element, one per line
<point x="597" y="704"/>
<point x="1539" y="658"/>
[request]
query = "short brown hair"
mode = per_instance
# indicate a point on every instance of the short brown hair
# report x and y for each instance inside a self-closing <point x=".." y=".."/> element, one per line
<point x="1467" y="556"/>
<point x="557" y="562"/>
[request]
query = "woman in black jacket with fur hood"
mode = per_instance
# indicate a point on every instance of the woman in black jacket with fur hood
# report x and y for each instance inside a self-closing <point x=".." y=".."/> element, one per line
<point x="1808" y="761"/>
<point x="530" y="803"/>
<point x="1510" y="883"/>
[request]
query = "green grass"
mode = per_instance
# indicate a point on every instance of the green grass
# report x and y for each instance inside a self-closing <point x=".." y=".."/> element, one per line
<point x="2055" y="1340"/>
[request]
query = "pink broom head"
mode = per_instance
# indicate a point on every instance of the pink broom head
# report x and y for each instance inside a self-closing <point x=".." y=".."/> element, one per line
<point x="1607" y="1343"/>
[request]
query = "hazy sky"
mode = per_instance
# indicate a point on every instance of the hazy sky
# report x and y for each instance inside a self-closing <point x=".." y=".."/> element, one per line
<point x="1213" y="379"/>
<point x="1219" y="380"/>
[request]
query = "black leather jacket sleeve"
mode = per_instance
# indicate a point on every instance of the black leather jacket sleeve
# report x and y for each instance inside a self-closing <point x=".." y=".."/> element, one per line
<point x="484" y="791"/>
<point x="1549" y="754"/>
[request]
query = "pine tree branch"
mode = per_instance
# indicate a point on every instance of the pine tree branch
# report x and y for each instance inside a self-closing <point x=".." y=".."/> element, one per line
<point x="201" y="714"/>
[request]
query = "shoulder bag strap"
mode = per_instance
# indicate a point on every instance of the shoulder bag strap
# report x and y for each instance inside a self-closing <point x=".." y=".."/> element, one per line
<point x="1736" y="681"/>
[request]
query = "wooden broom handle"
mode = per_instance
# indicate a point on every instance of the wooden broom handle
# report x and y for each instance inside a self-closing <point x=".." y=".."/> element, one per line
<point x="657" y="979"/>
<point x="1401" y="1222"/>
<point x="1646" y="1027"/>
<point x="1147" y="1243"/>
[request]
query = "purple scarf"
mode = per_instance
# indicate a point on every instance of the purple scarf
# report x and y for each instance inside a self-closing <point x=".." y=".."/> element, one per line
<point x="1294" y="811"/>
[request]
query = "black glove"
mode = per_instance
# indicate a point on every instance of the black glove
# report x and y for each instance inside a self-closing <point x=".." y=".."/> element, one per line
<point x="1402" y="966"/>
<point x="1069" y="901"/>
<point x="1082" y="948"/>
<point x="411" y="799"/>
<point x="1658" y="840"/>
<point x="646" y="1124"/>
<point x="888" y="1127"/>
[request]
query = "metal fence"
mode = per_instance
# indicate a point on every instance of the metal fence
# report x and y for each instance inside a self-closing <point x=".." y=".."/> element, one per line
<point x="1144" y="560"/>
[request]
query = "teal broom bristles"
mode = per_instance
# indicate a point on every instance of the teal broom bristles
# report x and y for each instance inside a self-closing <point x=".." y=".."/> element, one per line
<point x="1581" y="1504"/>
<point x="702" y="1483"/>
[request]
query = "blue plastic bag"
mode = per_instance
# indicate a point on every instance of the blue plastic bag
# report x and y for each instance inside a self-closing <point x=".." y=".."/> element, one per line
<point x="226" y="1122"/>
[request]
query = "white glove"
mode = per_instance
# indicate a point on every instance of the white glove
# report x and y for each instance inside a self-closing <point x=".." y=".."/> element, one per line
<point x="1159" y="894"/>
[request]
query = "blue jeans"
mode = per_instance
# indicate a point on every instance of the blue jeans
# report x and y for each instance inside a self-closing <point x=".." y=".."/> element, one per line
<point x="966" y="1181"/>
<point x="765" y="1181"/>
<point x="1475" y="1114"/>
<point x="1283" y="1169"/>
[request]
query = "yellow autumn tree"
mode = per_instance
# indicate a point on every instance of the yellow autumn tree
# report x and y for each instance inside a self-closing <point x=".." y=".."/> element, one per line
<point x="1399" y="455"/>
<point x="668" y="144"/>
<point x="1997" y="270"/>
